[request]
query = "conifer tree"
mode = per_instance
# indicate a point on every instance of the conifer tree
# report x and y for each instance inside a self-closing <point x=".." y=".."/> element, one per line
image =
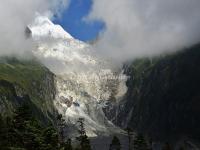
<point x="140" y="143"/>
<point x="51" y="137"/>
<point x="115" y="144"/>
<point x="61" y="126"/>
<point x="27" y="129"/>
<point x="3" y="135"/>
<point x="21" y="115"/>
<point x="83" y="138"/>
<point x="68" y="145"/>
<point x="181" y="148"/>
<point x="24" y="132"/>
<point x="129" y="133"/>
<point x="166" y="146"/>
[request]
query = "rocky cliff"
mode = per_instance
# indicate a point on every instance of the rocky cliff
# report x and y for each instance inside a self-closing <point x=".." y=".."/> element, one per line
<point x="163" y="97"/>
<point x="30" y="82"/>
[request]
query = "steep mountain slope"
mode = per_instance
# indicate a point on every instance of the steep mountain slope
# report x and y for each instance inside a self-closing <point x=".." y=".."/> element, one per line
<point x="162" y="100"/>
<point x="163" y="97"/>
<point x="26" y="81"/>
<point x="84" y="82"/>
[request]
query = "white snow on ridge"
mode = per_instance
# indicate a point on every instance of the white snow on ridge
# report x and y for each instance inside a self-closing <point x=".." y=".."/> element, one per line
<point x="82" y="79"/>
<point x="43" y="27"/>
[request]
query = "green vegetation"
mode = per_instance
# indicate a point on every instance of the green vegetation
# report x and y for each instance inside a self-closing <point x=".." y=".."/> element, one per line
<point x="21" y="72"/>
<point x="129" y="134"/>
<point x="84" y="143"/>
<point x="166" y="146"/>
<point x="140" y="143"/>
<point x="115" y="144"/>
<point x="164" y="93"/>
<point x="33" y="126"/>
<point x="24" y="132"/>
<point x="26" y="81"/>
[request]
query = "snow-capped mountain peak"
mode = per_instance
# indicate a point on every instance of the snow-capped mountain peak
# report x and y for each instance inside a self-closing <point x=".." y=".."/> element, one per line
<point x="82" y="80"/>
<point x="42" y="27"/>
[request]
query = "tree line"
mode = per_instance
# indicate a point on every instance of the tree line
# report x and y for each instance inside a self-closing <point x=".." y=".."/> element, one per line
<point x="24" y="132"/>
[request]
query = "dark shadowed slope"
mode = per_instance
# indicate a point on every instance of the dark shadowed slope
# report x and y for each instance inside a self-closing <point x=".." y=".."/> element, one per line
<point x="163" y="99"/>
<point x="26" y="81"/>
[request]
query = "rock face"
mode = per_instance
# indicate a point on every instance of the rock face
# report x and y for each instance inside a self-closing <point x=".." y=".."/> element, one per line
<point x="30" y="82"/>
<point x="163" y="98"/>
<point x="84" y="81"/>
<point x="163" y="94"/>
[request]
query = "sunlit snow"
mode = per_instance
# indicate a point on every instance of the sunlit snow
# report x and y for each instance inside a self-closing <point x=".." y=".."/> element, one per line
<point x="83" y="80"/>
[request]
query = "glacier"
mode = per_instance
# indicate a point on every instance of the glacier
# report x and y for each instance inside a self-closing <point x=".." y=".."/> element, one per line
<point x="84" y="80"/>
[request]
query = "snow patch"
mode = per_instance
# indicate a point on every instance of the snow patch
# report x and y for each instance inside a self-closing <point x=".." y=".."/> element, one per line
<point x="42" y="27"/>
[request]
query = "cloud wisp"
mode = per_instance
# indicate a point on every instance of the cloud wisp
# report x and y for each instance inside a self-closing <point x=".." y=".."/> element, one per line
<point x="138" y="28"/>
<point x="15" y="15"/>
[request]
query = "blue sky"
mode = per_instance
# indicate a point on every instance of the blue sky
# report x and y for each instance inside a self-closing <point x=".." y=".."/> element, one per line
<point x="72" y="21"/>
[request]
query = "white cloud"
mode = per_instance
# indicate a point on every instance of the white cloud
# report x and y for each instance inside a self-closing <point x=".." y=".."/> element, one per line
<point x="15" y="15"/>
<point x="137" y="28"/>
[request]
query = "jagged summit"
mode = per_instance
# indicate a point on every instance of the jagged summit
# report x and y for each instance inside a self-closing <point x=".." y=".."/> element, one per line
<point x="42" y="27"/>
<point x="54" y="43"/>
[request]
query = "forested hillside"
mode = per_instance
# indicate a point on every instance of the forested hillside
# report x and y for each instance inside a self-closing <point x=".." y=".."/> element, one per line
<point x="26" y="81"/>
<point x="163" y="97"/>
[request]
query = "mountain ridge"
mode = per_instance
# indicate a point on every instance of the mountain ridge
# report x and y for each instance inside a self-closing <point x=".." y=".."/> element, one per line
<point x="30" y="82"/>
<point x="163" y="96"/>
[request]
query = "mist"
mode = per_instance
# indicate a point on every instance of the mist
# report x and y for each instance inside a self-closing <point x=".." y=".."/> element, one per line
<point x="133" y="28"/>
<point x="15" y="15"/>
<point x="140" y="28"/>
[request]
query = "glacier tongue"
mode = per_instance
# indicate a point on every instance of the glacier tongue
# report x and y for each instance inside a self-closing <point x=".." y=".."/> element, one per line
<point x="84" y="81"/>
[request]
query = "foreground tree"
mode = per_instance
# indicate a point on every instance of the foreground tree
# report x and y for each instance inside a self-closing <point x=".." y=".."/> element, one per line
<point x="68" y="145"/>
<point x="24" y="132"/>
<point x="83" y="138"/>
<point x="61" y="126"/>
<point x="140" y="143"/>
<point x="3" y="133"/>
<point x="115" y="144"/>
<point x="129" y="133"/>
<point x="166" y="146"/>
<point x="51" y="139"/>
